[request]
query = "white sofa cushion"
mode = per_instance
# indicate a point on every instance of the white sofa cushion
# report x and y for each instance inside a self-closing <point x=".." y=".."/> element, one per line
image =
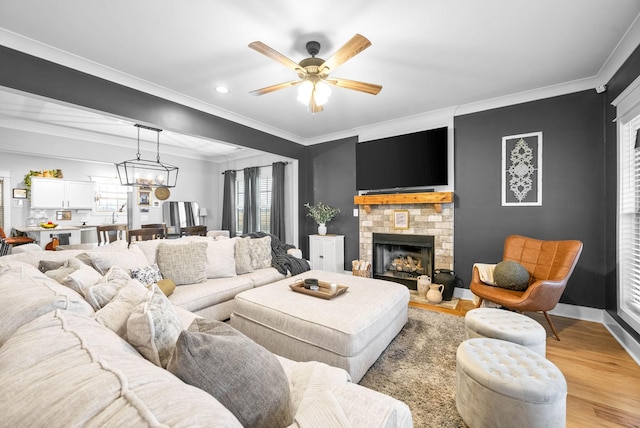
<point x="79" y="373"/>
<point x="194" y="297"/>
<point x="26" y="293"/>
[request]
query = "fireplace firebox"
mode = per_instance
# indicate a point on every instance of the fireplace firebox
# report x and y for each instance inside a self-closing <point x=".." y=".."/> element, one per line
<point x="402" y="258"/>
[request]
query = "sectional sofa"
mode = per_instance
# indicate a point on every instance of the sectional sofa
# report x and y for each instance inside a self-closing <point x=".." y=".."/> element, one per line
<point x="123" y="336"/>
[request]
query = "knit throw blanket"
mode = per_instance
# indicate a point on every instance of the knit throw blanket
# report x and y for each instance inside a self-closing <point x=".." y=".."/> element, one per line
<point x="280" y="260"/>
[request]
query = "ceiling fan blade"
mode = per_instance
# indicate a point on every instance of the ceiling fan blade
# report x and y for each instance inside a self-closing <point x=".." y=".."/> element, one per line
<point x="353" y="47"/>
<point x="369" y="88"/>
<point x="273" y="88"/>
<point x="275" y="55"/>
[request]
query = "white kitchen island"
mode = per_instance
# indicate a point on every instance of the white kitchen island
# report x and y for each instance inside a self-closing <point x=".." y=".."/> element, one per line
<point x="43" y="236"/>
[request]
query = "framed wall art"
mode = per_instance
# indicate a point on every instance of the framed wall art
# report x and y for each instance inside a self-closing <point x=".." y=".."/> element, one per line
<point x="522" y="170"/>
<point x="400" y="219"/>
<point x="143" y="198"/>
<point x="19" y="193"/>
<point x="63" y="215"/>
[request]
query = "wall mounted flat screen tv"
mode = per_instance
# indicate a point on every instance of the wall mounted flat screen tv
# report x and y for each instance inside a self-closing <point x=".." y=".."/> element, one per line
<point x="418" y="159"/>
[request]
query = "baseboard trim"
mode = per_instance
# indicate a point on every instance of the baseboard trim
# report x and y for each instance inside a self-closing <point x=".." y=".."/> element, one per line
<point x="584" y="313"/>
<point x="622" y="336"/>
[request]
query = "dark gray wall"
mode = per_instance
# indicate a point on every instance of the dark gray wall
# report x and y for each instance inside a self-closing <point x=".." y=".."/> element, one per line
<point x="572" y="186"/>
<point x="334" y="183"/>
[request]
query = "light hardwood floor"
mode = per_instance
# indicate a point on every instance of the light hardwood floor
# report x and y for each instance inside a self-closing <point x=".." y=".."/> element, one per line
<point x="603" y="380"/>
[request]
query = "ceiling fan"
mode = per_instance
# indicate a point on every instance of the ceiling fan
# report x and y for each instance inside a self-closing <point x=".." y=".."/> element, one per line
<point x="314" y="72"/>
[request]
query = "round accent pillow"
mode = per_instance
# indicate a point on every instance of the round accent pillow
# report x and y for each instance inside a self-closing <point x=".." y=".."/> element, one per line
<point x="511" y="275"/>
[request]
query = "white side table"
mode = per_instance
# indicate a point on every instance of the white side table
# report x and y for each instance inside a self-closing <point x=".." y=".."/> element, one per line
<point x="326" y="252"/>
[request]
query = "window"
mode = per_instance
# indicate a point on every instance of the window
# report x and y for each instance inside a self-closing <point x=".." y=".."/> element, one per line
<point x="1" y="202"/>
<point x="110" y="195"/>
<point x="629" y="208"/>
<point x="264" y="201"/>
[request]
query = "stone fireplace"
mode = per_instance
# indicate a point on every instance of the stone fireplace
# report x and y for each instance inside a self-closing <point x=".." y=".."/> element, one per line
<point x="430" y="214"/>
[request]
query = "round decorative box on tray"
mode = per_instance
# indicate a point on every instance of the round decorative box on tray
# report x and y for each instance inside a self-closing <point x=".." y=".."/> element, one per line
<point x="361" y="268"/>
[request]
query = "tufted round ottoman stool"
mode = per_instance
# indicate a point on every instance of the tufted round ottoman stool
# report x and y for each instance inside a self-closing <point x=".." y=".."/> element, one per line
<point x="503" y="384"/>
<point x="506" y="325"/>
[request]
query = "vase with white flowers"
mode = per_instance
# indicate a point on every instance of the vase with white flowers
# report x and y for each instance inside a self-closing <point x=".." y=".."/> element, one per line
<point x="322" y="214"/>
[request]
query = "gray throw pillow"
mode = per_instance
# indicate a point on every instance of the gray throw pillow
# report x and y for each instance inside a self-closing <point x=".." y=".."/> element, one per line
<point x="511" y="275"/>
<point x="242" y="375"/>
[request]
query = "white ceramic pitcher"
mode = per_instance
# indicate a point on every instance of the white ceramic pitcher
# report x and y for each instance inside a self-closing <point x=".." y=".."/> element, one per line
<point x="424" y="281"/>
<point x="434" y="295"/>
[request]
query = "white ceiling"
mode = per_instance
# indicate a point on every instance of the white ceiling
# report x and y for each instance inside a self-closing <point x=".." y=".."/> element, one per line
<point x="428" y="55"/>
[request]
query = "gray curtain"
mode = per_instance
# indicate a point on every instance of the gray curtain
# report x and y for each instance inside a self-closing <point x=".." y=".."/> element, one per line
<point x="277" y="201"/>
<point x="250" y="210"/>
<point x="229" y="203"/>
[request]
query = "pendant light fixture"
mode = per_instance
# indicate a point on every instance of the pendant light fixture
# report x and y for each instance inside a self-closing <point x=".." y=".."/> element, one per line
<point x="140" y="172"/>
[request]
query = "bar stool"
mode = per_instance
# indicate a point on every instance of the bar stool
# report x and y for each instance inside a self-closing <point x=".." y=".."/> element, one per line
<point x="8" y="242"/>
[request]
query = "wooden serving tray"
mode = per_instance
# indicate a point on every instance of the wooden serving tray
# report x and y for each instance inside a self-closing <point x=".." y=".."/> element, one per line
<point x="324" y="292"/>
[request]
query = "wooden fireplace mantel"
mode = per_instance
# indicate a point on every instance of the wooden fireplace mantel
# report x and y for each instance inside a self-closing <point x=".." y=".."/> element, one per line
<point x="435" y="198"/>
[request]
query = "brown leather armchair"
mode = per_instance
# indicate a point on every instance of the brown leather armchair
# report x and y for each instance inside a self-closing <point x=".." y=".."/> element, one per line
<point x="550" y="264"/>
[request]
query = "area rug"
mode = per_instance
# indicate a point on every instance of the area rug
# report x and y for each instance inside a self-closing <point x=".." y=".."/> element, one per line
<point x="419" y="368"/>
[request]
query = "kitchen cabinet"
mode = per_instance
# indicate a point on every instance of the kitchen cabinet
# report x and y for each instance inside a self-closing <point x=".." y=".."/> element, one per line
<point x="326" y="252"/>
<point x="58" y="193"/>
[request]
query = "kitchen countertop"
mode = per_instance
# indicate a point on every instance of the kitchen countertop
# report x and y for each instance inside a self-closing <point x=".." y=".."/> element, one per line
<point x="26" y="229"/>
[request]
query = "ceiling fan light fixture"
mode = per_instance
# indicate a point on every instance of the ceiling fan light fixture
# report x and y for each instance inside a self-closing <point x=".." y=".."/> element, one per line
<point x="140" y="172"/>
<point x="313" y="72"/>
<point x="308" y="91"/>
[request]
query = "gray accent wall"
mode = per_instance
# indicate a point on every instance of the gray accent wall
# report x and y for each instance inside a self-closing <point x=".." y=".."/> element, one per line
<point x="333" y="172"/>
<point x="573" y="196"/>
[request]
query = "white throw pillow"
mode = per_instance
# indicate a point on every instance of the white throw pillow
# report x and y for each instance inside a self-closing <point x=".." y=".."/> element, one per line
<point x="243" y="255"/>
<point x="260" y="252"/>
<point x="114" y="315"/>
<point x="221" y="262"/>
<point x="103" y="291"/>
<point x="147" y="275"/>
<point x="128" y="259"/>
<point x="184" y="264"/>
<point x="154" y="327"/>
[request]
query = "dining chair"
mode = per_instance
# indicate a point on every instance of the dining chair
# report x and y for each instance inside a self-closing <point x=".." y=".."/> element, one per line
<point x="146" y="234"/>
<point x="111" y="233"/>
<point x="193" y="231"/>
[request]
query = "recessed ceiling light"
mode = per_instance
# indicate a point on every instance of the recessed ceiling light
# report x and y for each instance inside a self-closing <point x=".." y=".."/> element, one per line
<point x="222" y="90"/>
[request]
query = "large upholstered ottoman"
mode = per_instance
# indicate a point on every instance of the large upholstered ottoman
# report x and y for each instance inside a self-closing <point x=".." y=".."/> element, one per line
<point x="501" y="384"/>
<point x="349" y="331"/>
